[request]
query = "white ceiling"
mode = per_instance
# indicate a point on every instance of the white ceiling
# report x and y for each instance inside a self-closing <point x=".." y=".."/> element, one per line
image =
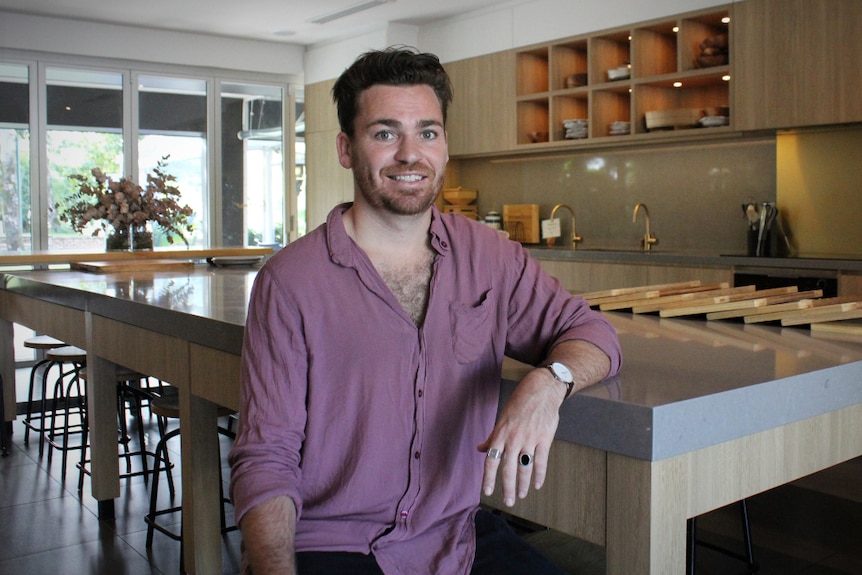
<point x="270" y="20"/>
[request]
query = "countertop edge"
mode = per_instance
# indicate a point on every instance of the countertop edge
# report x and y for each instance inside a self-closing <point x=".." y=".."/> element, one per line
<point x="701" y="259"/>
<point x="653" y="433"/>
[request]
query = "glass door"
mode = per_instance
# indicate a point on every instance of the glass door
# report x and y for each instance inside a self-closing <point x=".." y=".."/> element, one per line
<point x="84" y="131"/>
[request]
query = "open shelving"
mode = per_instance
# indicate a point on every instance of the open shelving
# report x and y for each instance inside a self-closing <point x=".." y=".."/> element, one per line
<point x="666" y="70"/>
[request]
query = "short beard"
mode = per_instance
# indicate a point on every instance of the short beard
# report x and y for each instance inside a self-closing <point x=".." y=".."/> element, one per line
<point x="401" y="204"/>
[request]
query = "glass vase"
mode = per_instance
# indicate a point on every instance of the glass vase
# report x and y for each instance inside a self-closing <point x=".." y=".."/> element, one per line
<point x="118" y="240"/>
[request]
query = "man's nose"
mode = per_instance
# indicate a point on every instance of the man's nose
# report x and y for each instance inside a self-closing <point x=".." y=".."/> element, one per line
<point x="409" y="151"/>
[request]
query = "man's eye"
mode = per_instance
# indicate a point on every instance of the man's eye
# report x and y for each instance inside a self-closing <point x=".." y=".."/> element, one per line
<point x="429" y="134"/>
<point x="384" y="135"/>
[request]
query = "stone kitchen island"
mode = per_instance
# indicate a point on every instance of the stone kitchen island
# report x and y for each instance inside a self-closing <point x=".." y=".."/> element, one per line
<point x="701" y="415"/>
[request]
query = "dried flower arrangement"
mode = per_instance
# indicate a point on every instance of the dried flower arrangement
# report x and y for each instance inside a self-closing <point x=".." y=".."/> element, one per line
<point x="120" y="206"/>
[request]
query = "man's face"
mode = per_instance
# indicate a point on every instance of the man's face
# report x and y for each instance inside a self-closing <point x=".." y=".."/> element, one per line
<point x="399" y="152"/>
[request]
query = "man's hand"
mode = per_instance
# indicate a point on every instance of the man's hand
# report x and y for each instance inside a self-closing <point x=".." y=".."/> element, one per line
<point x="528" y="422"/>
<point x="523" y="436"/>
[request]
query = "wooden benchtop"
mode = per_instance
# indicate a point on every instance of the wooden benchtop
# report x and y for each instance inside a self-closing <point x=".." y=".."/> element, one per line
<point x="67" y="257"/>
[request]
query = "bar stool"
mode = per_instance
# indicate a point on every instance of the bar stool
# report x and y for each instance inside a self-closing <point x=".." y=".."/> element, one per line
<point x="131" y="396"/>
<point x="72" y="402"/>
<point x="166" y="406"/>
<point x="748" y="556"/>
<point x="39" y="343"/>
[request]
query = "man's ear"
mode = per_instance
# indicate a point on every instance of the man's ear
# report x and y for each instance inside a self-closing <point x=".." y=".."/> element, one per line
<point x="343" y="145"/>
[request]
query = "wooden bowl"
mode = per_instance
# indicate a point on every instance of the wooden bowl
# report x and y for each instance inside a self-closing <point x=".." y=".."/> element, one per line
<point x="459" y="196"/>
<point x="673" y="118"/>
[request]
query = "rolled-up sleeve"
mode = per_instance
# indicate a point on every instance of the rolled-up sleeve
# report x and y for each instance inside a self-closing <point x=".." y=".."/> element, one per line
<point x="543" y="314"/>
<point x="265" y="459"/>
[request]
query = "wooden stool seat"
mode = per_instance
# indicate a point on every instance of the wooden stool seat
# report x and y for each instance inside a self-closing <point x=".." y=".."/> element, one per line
<point x="43" y="342"/>
<point x="67" y="354"/>
<point x="32" y="415"/>
<point x="72" y="402"/>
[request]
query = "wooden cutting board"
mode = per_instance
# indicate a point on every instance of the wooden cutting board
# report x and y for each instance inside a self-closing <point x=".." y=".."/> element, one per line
<point x="723" y="303"/>
<point x="522" y="222"/>
<point x="841" y="327"/>
<point x="680" y="300"/>
<point x="774" y="304"/>
<point x="598" y="295"/>
<point x="831" y="304"/>
<point x="662" y="297"/>
<point x="841" y="311"/>
<point x="132" y="266"/>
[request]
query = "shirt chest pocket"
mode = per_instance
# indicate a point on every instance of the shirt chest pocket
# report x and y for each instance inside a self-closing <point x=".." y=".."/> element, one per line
<point x="472" y="325"/>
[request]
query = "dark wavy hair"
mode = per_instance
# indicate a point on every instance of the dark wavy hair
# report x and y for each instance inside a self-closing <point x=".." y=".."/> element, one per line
<point x="393" y="66"/>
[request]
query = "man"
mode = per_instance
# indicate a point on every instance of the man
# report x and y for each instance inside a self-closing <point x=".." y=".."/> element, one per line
<point x="372" y="361"/>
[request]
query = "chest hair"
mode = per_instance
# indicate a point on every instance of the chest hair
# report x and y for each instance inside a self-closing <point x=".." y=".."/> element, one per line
<point x="410" y="283"/>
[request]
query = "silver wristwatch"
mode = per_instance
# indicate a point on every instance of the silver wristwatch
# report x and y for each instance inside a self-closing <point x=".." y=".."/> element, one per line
<point x="562" y="374"/>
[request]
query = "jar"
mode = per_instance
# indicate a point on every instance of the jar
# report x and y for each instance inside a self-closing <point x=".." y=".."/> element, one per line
<point x="494" y="220"/>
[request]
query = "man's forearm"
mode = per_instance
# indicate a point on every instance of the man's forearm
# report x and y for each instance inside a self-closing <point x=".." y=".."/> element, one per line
<point x="268" y="533"/>
<point x="588" y="364"/>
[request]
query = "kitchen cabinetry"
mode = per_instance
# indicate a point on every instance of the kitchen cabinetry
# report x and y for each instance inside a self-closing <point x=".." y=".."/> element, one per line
<point x="481" y="119"/>
<point x="795" y="63"/>
<point x="328" y="184"/>
<point x="849" y="284"/>
<point x="657" y="66"/>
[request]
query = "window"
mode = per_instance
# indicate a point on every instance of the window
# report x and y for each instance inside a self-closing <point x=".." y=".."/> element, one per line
<point x="14" y="157"/>
<point x="172" y="123"/>
<point x="253" y="140"/>
<point x="226" y="140"/>
<point x="84" y="131"/>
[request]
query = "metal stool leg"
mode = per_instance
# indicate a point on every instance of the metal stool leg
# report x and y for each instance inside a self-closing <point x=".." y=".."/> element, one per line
<point x="748" y="558"/>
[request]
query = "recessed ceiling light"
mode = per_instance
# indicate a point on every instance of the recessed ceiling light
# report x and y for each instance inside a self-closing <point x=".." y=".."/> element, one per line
<point x="364" y="5"/>
<point x="284" y="33"/>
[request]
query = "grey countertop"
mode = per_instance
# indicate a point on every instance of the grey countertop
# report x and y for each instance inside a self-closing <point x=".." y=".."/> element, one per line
<point x="205" y="305"/>
<point x="696" y="258"/>
<point x="689" y="383"/>
<point x="684" y="384"/>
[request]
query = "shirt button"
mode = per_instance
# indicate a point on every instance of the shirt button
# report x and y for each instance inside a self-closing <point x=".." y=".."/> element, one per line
<point x="403" y="515"/>
<point x="444" y="243"/>
<point x="421" y="393"/>
<point x="416" y="455"/>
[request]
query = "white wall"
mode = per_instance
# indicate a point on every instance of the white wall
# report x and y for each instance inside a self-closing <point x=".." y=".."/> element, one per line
<point x="492" y="30"/>
<point x="38" y="33"/>
<point x="328" y="61"/>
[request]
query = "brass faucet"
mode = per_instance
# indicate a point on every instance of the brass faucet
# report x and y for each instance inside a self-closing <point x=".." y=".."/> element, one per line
<point x="575" y="237"/>
<point x="648" y="240"/>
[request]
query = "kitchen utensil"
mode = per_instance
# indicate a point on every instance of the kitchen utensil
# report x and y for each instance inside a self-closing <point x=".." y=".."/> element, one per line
<point x="760" y="231"/>
<point x="751" y="214"/>
<point x="783" y="233"/>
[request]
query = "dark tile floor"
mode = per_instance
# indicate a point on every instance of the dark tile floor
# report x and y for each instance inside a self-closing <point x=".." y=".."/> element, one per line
<point x="810" y="527"/>
<point x="45" y="523"/>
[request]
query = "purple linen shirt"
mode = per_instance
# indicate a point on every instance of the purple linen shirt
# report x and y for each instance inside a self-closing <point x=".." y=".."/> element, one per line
<point x="370" y="423"/>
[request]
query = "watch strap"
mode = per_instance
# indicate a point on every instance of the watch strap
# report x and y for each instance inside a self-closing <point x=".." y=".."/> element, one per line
<point x="570" y="385"/>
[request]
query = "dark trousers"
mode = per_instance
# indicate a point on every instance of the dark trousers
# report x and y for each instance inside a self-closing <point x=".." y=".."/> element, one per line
<point x="499" y="551"/>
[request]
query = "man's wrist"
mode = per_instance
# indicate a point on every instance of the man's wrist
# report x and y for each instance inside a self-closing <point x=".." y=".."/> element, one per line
<point x="562" y="376"/>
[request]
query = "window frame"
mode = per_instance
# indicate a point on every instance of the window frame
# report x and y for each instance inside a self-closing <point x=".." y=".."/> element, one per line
<point x="37" y="63"/>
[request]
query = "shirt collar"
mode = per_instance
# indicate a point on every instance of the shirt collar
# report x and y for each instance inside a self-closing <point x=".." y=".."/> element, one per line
<point x="342" y="248"/>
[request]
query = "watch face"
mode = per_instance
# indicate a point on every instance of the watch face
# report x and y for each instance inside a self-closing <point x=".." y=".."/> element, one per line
<point x="562" y="371"/>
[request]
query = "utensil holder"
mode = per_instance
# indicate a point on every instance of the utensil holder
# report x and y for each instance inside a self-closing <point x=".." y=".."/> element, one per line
<point x="766" y="246"/>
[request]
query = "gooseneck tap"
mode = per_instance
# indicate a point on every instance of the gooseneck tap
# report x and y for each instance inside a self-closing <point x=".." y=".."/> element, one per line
<point x="575" y="237"/>
<point x="648" y="240"/>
